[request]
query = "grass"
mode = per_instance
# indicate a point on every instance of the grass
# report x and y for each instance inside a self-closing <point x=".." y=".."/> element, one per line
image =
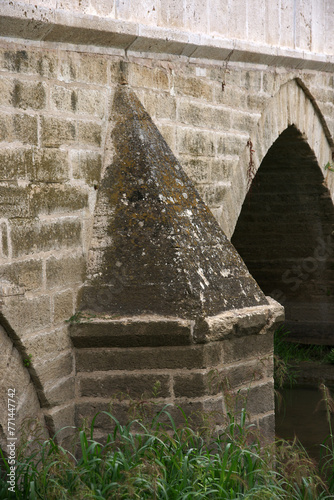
<point x="155" y="459"/>
<point x="151" y="458"/>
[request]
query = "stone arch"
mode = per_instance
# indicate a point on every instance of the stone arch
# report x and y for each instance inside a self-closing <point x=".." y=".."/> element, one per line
<point x="15" y="376"/>
<point x="293" y="104"/>
<point x="284" y="230"/>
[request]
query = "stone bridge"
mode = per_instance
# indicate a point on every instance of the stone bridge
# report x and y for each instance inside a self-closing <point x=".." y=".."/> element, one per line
<point x="242" y="93"/>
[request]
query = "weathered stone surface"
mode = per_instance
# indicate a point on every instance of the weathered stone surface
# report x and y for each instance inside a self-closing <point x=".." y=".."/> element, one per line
<point x="114" y="385"/>
<point x="62" y="306"/>
<point x="15" y="376"/>
<point x="47" y="165"/>
<point x="67" y="269"/>
<point x="18" y="127"/>
<point x="28" y="95"/>
<point x="48" y="199"/>
<point x="131" y="332"/>
<point x="27" y="274"/>
<point x="151" y="358"/>
<point x="160" y="237"/>
<point x="29" y="236"/>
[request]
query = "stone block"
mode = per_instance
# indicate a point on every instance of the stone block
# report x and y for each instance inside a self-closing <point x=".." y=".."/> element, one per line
<point x="251" y="81"/>
<point x="203" y="116"/>
<point x="64" y="271"/>
<point x="140" y="331"/>
<point x="168" y="133"/>
<point x="193" y="385"/>
<point x="89" y="133"/>
<point x="47" y="345"/>
<point x="193" y="414"/>
<point x="6" y="89"/>
<point x="18" y="127"/>
<point x="142" y="76"/>
<point x="84" y="68"/>
<point x="103" y="7"/>
<point x="149" y="358"/>
<point x="86" y="411"/>
<point x="59" y="394"/>
<point x="60" y="420"/>
<point x="230" y="144"/>
<point x="196" y="16"/>
<point x="12" y="164"/>
<point x="230" y="95"/>
<point x="4" y="250"/>
<point x="133" y="385"/>
<point x="193" y="87"/>
<point x="62" y="306"/>
<point x="57" y="131"/>
<point x="29" y="315"/>
<point x="172" y="13"/>
<point x="223" y="169"/>
<point x="29" y="95"/>
<point x="27" y="274"/>
<point x="50" y="371"/>
<point x="31" y="62"/>
<point x="266" y="425"/>
<point x="29" y="236"/>
<point x="236" y="376"/>
<point x="47" y="165"/>
<point x="219" y="17"/>
<point x="48" y="199"/>
<point x="193" y="142"/>
<point x="247" y="347"/>
<point x="198" y="169"/>
<point x="14" y="201"/>
<point x="258" y="399"/>
<point x="86" y="165"/>
<point x="92" y="102"/>
<point x="77" y="100"/>
<point x="63" y="98"/>
<point x="244" y="122"/>
<point x="13" y="373"/>
<point x="159" y="104"/>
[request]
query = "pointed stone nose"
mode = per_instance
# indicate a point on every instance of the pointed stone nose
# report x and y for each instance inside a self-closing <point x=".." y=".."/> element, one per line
<point x="156" y="248"/>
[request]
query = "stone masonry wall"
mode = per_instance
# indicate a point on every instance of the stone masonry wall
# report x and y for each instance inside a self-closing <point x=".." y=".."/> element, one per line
<point x="54" y="113"/>
<point x="302" y="25"/>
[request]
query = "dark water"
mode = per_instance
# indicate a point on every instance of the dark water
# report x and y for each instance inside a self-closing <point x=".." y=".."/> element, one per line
<point x="302" y="413"/>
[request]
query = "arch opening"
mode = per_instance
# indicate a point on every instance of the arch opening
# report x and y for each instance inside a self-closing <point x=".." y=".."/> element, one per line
<point x="285" y="236"/>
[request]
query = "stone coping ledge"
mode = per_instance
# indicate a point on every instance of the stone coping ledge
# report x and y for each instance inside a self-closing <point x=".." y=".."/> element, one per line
<point x="20" y="20"/>
<point x="155" y="331"/>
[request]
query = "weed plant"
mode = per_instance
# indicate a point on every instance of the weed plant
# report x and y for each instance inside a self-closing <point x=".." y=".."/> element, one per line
<point x="151" y="457"/>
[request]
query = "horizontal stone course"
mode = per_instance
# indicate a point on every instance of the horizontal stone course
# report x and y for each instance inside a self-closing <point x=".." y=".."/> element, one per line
<point x="29" y="236"/>
<point x="50" y="199"/>
<point x="136" y="385"/>
<point x="130" y="332"/>
<point x="154" y="358"/>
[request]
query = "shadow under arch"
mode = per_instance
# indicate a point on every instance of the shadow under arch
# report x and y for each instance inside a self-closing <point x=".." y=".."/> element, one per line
<point x="20" y="406"/>
<point x="293" y="104"/>
<point x="284" y="235"/>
